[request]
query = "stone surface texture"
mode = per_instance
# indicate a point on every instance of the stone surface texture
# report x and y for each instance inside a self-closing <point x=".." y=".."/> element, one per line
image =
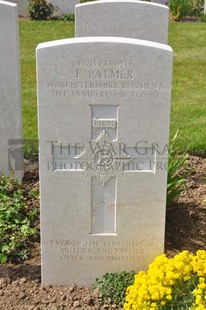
<point x="120" y="18"/>
<point x="104" y="109"/>
<point x="11" y="155"/>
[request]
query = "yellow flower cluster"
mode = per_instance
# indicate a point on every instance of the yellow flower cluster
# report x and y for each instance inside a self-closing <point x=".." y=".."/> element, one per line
<point x="169" y="281"/>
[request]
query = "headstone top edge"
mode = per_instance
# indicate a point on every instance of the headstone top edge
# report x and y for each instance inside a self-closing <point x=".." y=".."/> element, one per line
<point x="6" y="3"/>
<point x="93" y="3"/>
<point x="103" y="40"/>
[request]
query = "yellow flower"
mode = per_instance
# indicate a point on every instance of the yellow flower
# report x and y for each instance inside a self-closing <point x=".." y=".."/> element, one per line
<point x="169" y="297"/>
<point x="155" y="288"/>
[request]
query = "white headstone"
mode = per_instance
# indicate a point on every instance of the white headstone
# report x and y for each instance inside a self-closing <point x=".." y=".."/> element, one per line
<point x="104" y="107"/>
<point x="22" y="6"/>
<point x="122" y="18"/>
<point x="11" y="153"/>
<point x="65" y="6"/>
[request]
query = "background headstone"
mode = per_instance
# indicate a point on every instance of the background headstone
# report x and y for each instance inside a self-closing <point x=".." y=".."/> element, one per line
<point x="120" y="18"/>
<point x="65" y="6"/>
<point x="11" y="152"/>
<point x="22" y="6"/>
<point x="104" y="107"/>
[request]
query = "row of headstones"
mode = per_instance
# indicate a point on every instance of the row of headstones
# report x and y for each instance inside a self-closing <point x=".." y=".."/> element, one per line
<point x="104" y="108"/>
<point x="10" y="96"/>
<point x="64" y="7"/>
<point x="102" y="201"/>
<point x="11" y="139"/>
<point x="11" y="143"/>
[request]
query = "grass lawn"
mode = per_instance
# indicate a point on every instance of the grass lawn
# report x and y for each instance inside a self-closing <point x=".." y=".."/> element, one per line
<point x="189" y="85"/>
<point x="31" y="34"/>
<point x="188" y="113"/>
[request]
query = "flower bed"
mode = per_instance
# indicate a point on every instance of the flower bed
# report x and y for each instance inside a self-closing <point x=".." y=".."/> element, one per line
<point x="170" y="283"/>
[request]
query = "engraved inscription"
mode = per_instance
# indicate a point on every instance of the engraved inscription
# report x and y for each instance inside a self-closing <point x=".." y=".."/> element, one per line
<point x="105" y="63"/>
<point x="98" y="250"/>
<point x="105" y="74"/>
<point x="106" y="79"/>
<point x="111" y="74"/>
<point x="105" y="123"/>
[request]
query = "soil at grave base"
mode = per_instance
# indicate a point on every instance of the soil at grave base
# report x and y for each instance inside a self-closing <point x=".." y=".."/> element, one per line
<point x="20" y="286"/>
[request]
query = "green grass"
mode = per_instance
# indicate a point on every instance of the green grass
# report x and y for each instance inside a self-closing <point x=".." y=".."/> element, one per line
<point x="188" y="113"/>
<point x="31" y="34"/>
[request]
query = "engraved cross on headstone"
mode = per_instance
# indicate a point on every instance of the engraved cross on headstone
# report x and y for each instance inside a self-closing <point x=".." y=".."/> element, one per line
<point x="104" y="159"/>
